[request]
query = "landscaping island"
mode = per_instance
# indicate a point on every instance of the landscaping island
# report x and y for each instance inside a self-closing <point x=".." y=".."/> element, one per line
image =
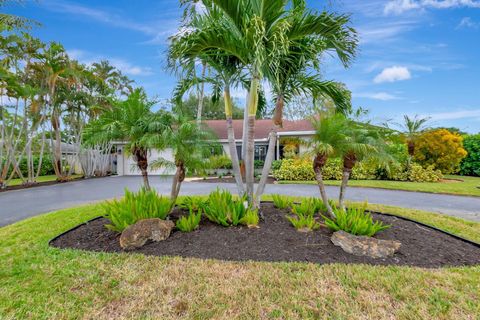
<point x="277" y="240"/>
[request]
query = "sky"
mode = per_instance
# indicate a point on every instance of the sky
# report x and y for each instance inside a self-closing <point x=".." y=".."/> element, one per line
<point x="416" y="57"/>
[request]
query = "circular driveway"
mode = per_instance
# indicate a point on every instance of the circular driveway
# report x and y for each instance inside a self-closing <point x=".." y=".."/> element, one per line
<point x="20" y="204"/>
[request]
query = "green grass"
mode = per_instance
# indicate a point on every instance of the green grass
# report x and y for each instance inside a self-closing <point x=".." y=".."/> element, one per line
<point x="17" y="182"/>
<point x="39" y="282"/>
<point x="468" y="186"/>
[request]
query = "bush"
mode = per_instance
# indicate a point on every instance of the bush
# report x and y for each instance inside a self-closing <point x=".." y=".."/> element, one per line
<point x="258" y="164"/>
<point x="415" y="173"/>
<point x="304" y="223"/>
<point x="300" y="169"/>
<point x="47" y="166"/>
<point x="355" y="221"/>
<point x="134" y="207"/>
<point x="219" y="162"/>
<point x="222" y="209"/>
<point x="276" y="164"/>
<point x="282" y="202"/>
<point x="470" y="165"/>
<point x="250" y="219"/>
<point x="441" y="149"/>
<point x="192" y="204"/>
<point x="190" y="222"/>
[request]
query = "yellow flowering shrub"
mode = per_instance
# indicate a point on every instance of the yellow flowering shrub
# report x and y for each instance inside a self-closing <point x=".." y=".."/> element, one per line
<point x="441" y="149"/>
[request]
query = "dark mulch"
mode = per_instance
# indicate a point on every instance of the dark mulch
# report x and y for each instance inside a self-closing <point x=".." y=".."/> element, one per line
<point x="277" y="240"/>
<point x="229" y="179"/>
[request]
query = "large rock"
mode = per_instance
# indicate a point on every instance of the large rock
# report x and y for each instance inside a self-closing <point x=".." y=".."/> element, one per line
<point x="365" y="246"/>
<point x="136" y="235"/>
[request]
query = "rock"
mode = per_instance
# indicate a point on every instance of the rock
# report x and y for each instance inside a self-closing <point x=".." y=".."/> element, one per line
<point x="365" y="246"/>
<point x="136" y="235"/>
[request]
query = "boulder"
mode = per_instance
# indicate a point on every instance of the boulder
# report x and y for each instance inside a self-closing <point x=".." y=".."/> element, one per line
<point x="365" y="246"/>
<point x="136" y="235"/>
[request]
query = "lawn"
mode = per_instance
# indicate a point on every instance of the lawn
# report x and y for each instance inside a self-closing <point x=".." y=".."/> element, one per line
<point x="468" y="186"/>
<point x="39" y="282"/>
<point x="17" y="182"/>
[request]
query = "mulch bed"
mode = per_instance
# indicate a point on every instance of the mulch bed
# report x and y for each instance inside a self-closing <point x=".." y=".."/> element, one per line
<point x="277" y="240"/>
<point x="229" y="179"/>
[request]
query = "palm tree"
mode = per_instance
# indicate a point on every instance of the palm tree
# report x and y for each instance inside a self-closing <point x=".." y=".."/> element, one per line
<point x="328" y="141"/>
<point x="258" y="33"/>
<point x="189" y="142"/>
<point x="412" y="128"/>
<point x="127" y="121"/>
<point x="362" y="142"/>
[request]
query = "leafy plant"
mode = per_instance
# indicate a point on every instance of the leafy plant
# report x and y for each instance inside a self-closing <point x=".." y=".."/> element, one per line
<point x="471" y="164"/>
<point x="216" y="209"/>
<point x="190" y="222"/>
<point x="192" y="204"/>
<point x="356" y="221"/>
<point x="304" y="223"/>
<point x="144" y="204"/>
<point x="250" y="219"/>
<point x="281" y="201"/>
<point x="306" y="208"/>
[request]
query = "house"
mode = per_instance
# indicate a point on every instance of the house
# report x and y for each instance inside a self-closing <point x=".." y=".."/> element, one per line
<point x="292" y="130"/>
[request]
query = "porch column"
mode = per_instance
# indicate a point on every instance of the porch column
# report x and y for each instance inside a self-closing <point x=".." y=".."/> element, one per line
<point x="278" y="147"/>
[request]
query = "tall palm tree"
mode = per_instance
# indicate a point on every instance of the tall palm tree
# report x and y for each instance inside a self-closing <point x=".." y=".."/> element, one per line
<point x="189" y="142"/>
<point x="258" y="33"/>
<point x="127" y="121"/>
<point x="328" y="141"/>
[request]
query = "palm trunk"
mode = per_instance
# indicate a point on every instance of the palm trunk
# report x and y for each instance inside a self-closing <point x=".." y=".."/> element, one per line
<point x="201" y="95"/>
<point x="249" y="158"/>
<point x="142" y="163"/>
<point x="231" y="141"/>
<point x="349" y="162"/>
<point x="177" y="182"/>
<point x="318" y="164"/>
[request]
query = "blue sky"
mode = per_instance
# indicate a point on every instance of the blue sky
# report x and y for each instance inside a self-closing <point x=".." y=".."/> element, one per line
<point x="416" y="56"/>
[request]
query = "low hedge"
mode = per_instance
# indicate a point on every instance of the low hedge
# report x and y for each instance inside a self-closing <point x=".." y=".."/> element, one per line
<point x="47" y="166"/>
<point x="301" y="169"/>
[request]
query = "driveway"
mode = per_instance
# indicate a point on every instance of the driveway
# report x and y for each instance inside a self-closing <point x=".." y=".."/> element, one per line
<point x="20" y="204"/>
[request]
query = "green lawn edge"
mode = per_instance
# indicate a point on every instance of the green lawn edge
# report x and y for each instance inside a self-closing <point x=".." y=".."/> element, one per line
<point x="469" y="186"/>
<point x="41" y="282"/>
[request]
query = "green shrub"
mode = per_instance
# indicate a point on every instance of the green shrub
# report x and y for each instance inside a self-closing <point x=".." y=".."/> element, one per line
<point x="276" y="164"/>
<point x="219" y="162"/>
<point x="46" y="169"/>
<point x="304" y="223"/>
<point x="250" y="219"/>
<point x="258" y="164"/>
<point x="192" y="204"/>
<point x="281" y="201"/>
<point x="415" y="173"/>
<point x="304" y="208"/>
<point x="470" y="165"/>
<point x="295" y="170"/>
<point x="216" y="209"/>
<point x="134" y="207"/>
<point x="356" y="221"/>
<point x="190" y="222"/>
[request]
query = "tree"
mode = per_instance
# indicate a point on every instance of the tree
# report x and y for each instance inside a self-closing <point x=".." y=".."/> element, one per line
<point x="189" y="142"/>
<point x="470" y="165"/>
<point x="328" y="141"/>
<point x="128" y="121"/>
<point x="258" y="33"/>
<point x="440" y="148"/>
<point x="362" y="142"/>
<point x="412" y="128"/>
<point x="213" y="109"/>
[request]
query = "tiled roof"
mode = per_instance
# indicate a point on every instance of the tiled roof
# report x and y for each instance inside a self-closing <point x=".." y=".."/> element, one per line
<point x="262" y="127"/>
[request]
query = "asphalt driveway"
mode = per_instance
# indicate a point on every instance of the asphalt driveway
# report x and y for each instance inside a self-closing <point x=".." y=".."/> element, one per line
<point x="20" y="204"/>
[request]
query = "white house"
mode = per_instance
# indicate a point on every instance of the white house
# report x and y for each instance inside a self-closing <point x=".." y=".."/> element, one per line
<point x="291" y="129"/>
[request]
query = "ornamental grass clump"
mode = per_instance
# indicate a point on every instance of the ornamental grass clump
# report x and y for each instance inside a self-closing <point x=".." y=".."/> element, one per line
<point x="304" y="212"/>
<point x="144" y="204"/>
<point x="222" y="209"/>
<point x="356" y="221"/>
<point x="281" y="201"/>
<point x="190" y="222"/>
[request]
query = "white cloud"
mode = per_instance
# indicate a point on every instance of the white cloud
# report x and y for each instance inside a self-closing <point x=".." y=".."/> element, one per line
<point x="380" y="32"/>
<point x="401" y="6"/>
<point x="455" y="115"/>
<point x="121" y="64"/>
<point x="383" y="96"/>
<point x="392" y="74"/>
<point x="467" y="22"/>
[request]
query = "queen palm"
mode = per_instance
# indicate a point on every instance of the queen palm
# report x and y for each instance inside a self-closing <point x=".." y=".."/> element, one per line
<point x="127" y="121"/>
<point x="258" y="32"/>
<point x="189" y="142"/>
